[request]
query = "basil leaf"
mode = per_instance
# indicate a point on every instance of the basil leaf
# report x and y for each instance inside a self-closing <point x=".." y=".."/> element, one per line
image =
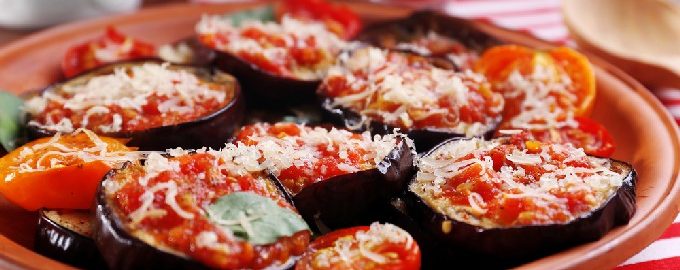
<point x="264" y="14"/>
<point x="254" y="218"/>
<point x="10" y="120"/>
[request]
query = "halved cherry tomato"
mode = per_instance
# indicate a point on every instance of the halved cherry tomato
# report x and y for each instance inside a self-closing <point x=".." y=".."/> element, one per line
<point x="590" y="135"/>
<point x="111" y="47"/>
<point x="401" y="257"/>
<point x="499" y="62"/>
<point x="69" y="183"/>
<point x="339" y="18"/>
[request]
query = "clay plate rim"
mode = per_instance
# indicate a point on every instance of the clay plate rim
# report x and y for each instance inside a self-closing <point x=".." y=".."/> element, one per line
<point x="602" y="254"/>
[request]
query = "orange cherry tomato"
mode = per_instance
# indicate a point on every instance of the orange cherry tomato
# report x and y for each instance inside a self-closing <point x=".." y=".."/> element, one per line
<point x="36" y="176"/>
<point x="338" y="18"/>
<point x="499" y="62"/>
<point x="111" y="47"/>
<point x="403" y="257"/>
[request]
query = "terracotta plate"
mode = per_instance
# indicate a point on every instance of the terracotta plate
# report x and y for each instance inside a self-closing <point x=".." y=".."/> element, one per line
<point x="645" y="133"/>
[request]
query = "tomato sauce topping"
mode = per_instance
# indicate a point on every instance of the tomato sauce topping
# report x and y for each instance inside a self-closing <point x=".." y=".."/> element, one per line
<point x="407" y="91"/>
<point x="514" y="181"/>
<point x="132" y="98"/>
<point x="166" y="200"/>
<point x="303" y="155"/>
<point x="297" y="48"/>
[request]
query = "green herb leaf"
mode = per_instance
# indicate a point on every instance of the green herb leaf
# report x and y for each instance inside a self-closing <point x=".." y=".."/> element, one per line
<point x="10" y="120"/>
<point x="264" y="14"/>
<point x="254" y="218"/>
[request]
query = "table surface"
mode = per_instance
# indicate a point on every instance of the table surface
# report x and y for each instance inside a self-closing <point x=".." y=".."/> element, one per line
<point x="8" y="35"/>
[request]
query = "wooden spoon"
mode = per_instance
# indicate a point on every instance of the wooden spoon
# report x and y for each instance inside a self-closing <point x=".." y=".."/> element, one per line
<point x="642" y="37"/>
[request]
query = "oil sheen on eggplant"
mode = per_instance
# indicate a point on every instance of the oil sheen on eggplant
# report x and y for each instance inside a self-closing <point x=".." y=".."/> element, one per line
<point x="518" y="244"/>
<point x="211" y="130"/>
<point x="66" y="236"/>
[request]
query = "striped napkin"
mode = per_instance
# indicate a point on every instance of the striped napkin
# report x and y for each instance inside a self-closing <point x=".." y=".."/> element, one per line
<point x="543" y="19"/>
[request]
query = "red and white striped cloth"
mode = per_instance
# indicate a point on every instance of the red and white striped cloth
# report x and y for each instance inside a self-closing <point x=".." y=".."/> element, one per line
<point x="543" y="19"/>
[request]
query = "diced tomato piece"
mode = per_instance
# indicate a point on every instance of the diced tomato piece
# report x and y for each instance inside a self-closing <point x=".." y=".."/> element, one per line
<point x="112" y="46"/>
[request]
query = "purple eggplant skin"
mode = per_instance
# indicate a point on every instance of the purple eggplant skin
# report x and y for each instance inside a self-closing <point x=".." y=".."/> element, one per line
<point x="123" y="251"/>
<point x="424" y="139"/>
<point x="386" y="34"/>
<point x="519" y="244"/>
<point x="58" y="242"/>
<point x="263" y="87"/>
<point x="355" y="198"/>
<point x="212" y="130"/>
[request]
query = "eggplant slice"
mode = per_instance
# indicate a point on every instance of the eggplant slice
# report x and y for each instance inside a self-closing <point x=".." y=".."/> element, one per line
<point x="66" y="236"/>
<point x="355" y="198"/>
<point x="424" y="138"/>
<point x="518" y="244"/>
<point x="260" y="84"/>
<point x="211" y="130"/>
<point x="265" y="88"/>
<point x="123" y="250"/>
<point x="390" y="34"/>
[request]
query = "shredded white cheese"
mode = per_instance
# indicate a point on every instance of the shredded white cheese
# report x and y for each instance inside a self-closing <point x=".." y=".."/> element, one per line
<point x="294" y="33"/>
<point x="128" y="88"/>
<point x="599" y="178"/>
<point x="60" y="154"/>
<point x="302" y="151"/>
<point x="376" y="76"/>
<point x="364" y="245"/>
<point x="540" y="109"/>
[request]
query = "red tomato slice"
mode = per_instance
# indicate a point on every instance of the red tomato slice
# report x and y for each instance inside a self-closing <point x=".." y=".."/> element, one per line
<point x="408" y="259"/>
<point x="590" y="135"/>
<point x="339" y="18"/>
<point x="65" y="187"/>
<point x="111" y="47"/>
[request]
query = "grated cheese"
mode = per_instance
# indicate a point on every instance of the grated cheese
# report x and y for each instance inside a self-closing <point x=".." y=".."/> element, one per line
<point x="417" y="90"/>
<point x="61" y="154"/>
<point x="539" y="108"/>
<point x="292" y="32"/>
<point x="365" y="244"/>
<point x="148" y="197"/>
<point x="127" y="88"/>
<point x="280" y="153"/>
<point x="597" y="178"/>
